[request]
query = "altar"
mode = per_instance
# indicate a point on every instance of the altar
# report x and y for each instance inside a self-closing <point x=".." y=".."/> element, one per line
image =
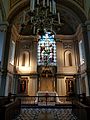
<point x="47" y="98"/>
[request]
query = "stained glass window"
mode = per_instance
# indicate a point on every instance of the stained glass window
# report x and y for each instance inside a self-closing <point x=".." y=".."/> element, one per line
<point x="47" y="50"/>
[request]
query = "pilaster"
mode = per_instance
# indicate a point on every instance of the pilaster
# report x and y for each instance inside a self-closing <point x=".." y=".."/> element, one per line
<point x="86" y="35"/>
<point x="4" y="58"/>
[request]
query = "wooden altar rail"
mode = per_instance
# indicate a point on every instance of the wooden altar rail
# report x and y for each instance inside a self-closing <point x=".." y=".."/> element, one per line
<point x="45" y="100"/>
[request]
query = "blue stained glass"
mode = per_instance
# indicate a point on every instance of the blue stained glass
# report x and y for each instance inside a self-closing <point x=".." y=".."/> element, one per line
<point x="47" y="50"/>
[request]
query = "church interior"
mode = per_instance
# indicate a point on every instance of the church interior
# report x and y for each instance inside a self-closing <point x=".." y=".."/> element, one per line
<point x="45" y="59"/>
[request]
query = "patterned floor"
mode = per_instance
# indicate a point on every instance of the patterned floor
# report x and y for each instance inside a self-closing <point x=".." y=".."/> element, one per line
<point x="45" y="114"/>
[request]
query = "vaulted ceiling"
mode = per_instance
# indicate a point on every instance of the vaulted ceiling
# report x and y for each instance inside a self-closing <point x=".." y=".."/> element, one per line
<point x="71" y="13"/>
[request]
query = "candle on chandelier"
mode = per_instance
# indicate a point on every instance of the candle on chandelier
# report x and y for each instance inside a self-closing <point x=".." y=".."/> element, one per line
<point x="31" y="19"/>
<point x="37" y="11"/>
<point x="33" y="5"/>
<point x="54" y="7"/>
<point x="37" y="2"/>
<point x="24" y="14"/>
<point x="30" y="5"/>
<point x="34" y="30"/>
<point x="47" y="2"/>
<point x="59" y="18"/>
<point x="43" y="3"/>
<point x="50" y="7"/>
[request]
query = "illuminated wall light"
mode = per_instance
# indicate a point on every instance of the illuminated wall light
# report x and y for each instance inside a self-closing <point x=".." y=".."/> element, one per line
<point x="23" y="69"/>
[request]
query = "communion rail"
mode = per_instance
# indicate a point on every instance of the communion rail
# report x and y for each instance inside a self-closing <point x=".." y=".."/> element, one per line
<point x="45" y="100"/>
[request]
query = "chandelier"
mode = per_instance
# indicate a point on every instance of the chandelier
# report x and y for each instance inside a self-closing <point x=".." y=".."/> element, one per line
<point x="43" y="16"/>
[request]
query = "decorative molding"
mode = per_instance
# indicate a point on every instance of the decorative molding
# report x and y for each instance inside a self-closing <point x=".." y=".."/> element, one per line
<point x="80" y="2"/>
<point x="67" y="45"/>
<point x="87" y="23"/>
<point x="3" y="26"/>
<point x="13" y="3"/>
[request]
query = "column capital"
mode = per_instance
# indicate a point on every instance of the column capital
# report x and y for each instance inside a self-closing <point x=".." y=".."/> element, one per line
<point x="87" y="23"/>
<point x="3" y="26"/>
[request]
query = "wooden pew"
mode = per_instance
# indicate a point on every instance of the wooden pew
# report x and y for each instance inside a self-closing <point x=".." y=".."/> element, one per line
<point x="81" y="111"/>
<point x="10" y="110"/>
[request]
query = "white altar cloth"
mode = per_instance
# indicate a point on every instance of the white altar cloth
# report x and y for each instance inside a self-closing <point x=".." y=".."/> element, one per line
<point x="52" y="97"/>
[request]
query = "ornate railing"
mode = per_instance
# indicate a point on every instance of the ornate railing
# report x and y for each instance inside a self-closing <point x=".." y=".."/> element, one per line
<point x="46" y="101"/>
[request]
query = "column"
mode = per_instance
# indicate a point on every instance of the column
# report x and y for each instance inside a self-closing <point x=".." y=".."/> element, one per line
<point x="77" y="84"/>
<point x="86" y="35"/>
<point x="38" y="83"/>
<point x="55" y="85"/>
<point x="15" y="83"/>
<point x="4" y="58"/>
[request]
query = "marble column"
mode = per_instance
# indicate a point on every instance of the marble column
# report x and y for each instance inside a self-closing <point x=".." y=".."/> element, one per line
<point x="4" y="31"/>
<point x="86" y="35"/>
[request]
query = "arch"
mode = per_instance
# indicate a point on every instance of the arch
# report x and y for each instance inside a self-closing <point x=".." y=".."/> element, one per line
<point x="70" y="4"/>
<point x="89" y="14"/>
<point x="68" y="58"/>
<point x="75" y="8"/>
<point x="70" y="20"/>
<point x="24" y="59"/>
